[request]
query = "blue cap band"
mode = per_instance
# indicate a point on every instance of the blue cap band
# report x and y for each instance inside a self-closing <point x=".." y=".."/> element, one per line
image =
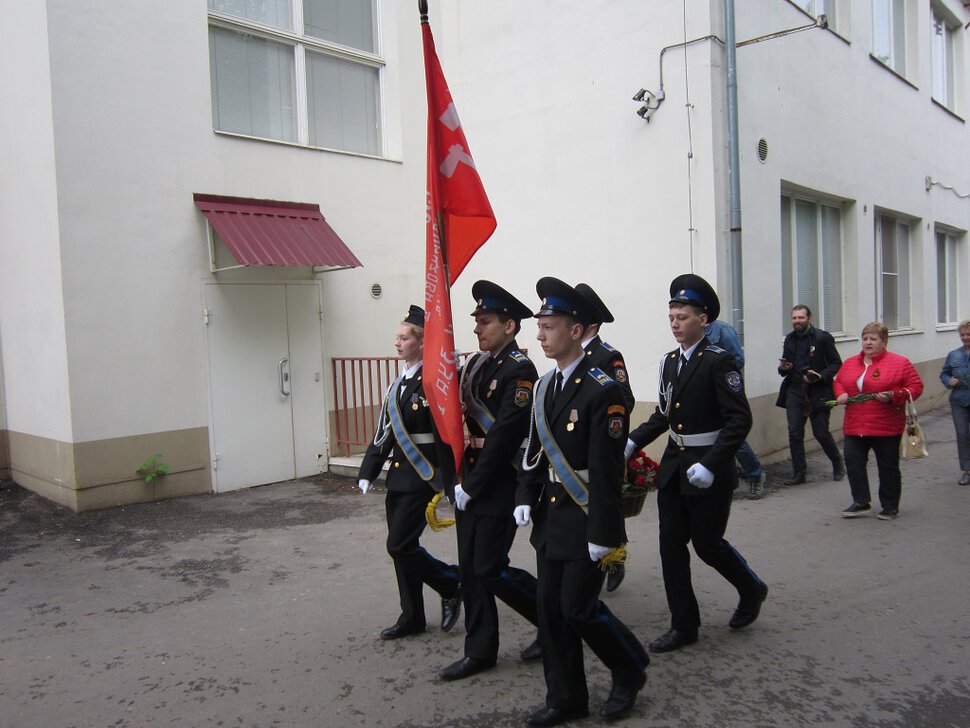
<point x="686" y="295"/>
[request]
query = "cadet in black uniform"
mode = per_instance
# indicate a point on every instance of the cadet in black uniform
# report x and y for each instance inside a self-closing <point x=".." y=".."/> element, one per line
<point x="705" y="417"/>
<point x="571" y="477"/>
<point x="605" y="357"/>
<point x="421" y="465"/>
<point x="496" y="391"/>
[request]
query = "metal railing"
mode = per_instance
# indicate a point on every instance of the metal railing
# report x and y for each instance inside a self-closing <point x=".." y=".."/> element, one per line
<point x="359" y="384"/>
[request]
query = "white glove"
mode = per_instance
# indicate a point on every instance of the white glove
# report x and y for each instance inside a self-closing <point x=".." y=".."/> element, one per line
<point x="461" y="498"/>
<point x="700" y="476"/>
<point x="598" y="552"/>
<point x="523" y="514"/>
<point x="631" y="446"/>
<point x="364" y="486"/>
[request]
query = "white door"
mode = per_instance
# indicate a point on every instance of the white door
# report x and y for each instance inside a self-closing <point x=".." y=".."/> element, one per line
<point x="265" y="382"/>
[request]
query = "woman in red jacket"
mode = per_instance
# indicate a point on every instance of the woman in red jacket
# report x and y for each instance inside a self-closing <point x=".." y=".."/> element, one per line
<point x="877" y="423"/>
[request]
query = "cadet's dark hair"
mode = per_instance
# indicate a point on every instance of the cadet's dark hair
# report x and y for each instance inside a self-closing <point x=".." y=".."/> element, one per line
<point x="699" y="310"/>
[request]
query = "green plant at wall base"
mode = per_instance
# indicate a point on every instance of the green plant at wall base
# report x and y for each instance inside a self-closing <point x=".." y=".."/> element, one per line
<point x="153" y="468"/>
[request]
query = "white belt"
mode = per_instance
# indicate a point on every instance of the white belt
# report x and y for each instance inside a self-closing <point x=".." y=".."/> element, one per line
<point x="479" y="442"/>
<point x="701" y="439"/>
<point x="554" y="476"/>
<point x="423" y="438"/>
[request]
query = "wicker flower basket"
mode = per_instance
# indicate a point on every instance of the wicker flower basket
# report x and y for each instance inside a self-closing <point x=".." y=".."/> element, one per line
<point x="641" y="477"/>
<point x="633" y="500"/>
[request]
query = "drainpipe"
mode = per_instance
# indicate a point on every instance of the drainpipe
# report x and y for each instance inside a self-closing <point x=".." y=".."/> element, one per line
<point x="734" y="171"/>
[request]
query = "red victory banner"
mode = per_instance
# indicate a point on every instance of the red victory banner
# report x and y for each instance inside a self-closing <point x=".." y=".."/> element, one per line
<point x="459" y="220"/>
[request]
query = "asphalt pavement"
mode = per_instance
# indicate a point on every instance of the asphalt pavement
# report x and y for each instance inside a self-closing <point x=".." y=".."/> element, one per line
<point x="262" y="607"/>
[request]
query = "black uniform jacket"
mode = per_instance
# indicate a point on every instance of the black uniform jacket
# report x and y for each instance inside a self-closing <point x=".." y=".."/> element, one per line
<point x="504" y="385"/>
<point x="708" y="395"/>
<point x="589" y="423"/>
<point x="605" y="357"/>
<point x="417" y="419"/>
<point x="823" y="357"/>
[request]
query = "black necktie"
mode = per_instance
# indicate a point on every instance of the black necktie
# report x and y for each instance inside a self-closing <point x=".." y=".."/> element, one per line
<point x="556" y="387"/>
<point x="683" y="365"/>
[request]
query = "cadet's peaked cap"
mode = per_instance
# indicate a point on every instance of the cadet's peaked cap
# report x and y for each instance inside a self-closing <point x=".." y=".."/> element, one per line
<point x="561" y="299"/>
<point x="492" y="298"/>
<point x="415" y="315"/>
<point x="605" y="317"/>
<point x="692" y="289"/>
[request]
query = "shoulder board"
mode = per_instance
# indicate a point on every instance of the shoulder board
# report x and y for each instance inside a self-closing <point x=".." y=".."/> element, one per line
<point x="600" y="376"/>
<point x="607" y="347"/>
<point x="518" y="356"/>
<point x="716" y="349"/>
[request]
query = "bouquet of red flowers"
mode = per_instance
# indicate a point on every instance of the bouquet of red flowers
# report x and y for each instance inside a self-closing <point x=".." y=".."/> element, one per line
<point x="641" y="478"/>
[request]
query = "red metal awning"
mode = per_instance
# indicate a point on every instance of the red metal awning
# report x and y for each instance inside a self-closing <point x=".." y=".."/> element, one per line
<point x="269" y="232"/>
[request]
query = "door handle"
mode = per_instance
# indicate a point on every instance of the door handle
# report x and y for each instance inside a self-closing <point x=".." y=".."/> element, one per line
<point x="285" y="377"/>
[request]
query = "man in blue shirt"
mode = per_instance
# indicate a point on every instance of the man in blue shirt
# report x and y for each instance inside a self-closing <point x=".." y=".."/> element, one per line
<point x="956" y="377"/>
<point x="724" y="335"/>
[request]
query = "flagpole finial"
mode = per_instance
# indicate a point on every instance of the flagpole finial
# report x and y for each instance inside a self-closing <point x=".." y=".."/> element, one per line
<point x="423" y="10"/>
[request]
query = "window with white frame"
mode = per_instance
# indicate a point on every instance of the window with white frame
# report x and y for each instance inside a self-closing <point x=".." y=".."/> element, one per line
<point x="893" y="261"/>
<point x="941" y="57"/>
<point x="811" y="260"/>
<point x="889" y="33"/>
<point x="300" y="71"/>
<point x="947" y="277"/>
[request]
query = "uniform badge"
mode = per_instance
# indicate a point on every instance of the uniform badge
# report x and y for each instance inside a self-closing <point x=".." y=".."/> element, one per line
<point x="523" y="390"/>
<point x="733" y="380"/>
<point x="615" y="427"/>
<point x="619" y="374"/>
<point x="573" y="419"/>
<point x="616" y="409"/>
<point x="492" y="386"/>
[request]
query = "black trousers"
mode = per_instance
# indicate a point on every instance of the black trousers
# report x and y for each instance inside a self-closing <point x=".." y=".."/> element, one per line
<point x="570" y="613"/>
<point x="798" y="410"/>
<point x="886" y="450"/>
<point x="483" y="562"/>
<point x="413" y="565"/>
<point x="700" y="520"/>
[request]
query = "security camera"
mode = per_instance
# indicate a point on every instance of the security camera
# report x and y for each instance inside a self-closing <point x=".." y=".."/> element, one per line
<point x="645" y="112"/>
<point x="638" y="96"/>
<point x="822" y="21"/>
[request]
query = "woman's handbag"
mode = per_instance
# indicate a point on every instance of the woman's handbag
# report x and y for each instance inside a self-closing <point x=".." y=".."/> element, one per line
<point x="913" y="444"/>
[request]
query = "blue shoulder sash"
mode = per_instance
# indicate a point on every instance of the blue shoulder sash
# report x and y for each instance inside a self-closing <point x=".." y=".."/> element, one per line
<point x="569" y="478"/>
<point x="474" y="407"/>
<point x="417" y="459"/>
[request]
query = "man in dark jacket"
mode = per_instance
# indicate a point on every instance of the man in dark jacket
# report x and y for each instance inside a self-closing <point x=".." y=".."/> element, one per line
<point x="571" y="482"/>
<point x="704" y="415"/>
<point x="496" y="391"/>
<point x="610" y="360"/>
<point x="809" y="363"/>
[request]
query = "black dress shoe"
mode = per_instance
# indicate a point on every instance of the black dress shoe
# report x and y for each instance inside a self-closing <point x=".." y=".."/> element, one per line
<point x="396" y="631"/>
<point x="673" y="640"/>
<point x="796" y="479"/>
<point x="622" y="698"/>
<point x="450" y="609"/>
<point x="465" y="667"/>
<point x="615" y="578"/>
<point x="749" y="609"/>
<point x="555" y="716"/>
<point x="532" y="652"/>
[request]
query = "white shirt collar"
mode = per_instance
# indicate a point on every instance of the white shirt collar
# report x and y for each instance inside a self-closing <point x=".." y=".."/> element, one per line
<point x="412" y="370"/>
<point x="568" y="371"/>
<point x="688" y="353"/>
